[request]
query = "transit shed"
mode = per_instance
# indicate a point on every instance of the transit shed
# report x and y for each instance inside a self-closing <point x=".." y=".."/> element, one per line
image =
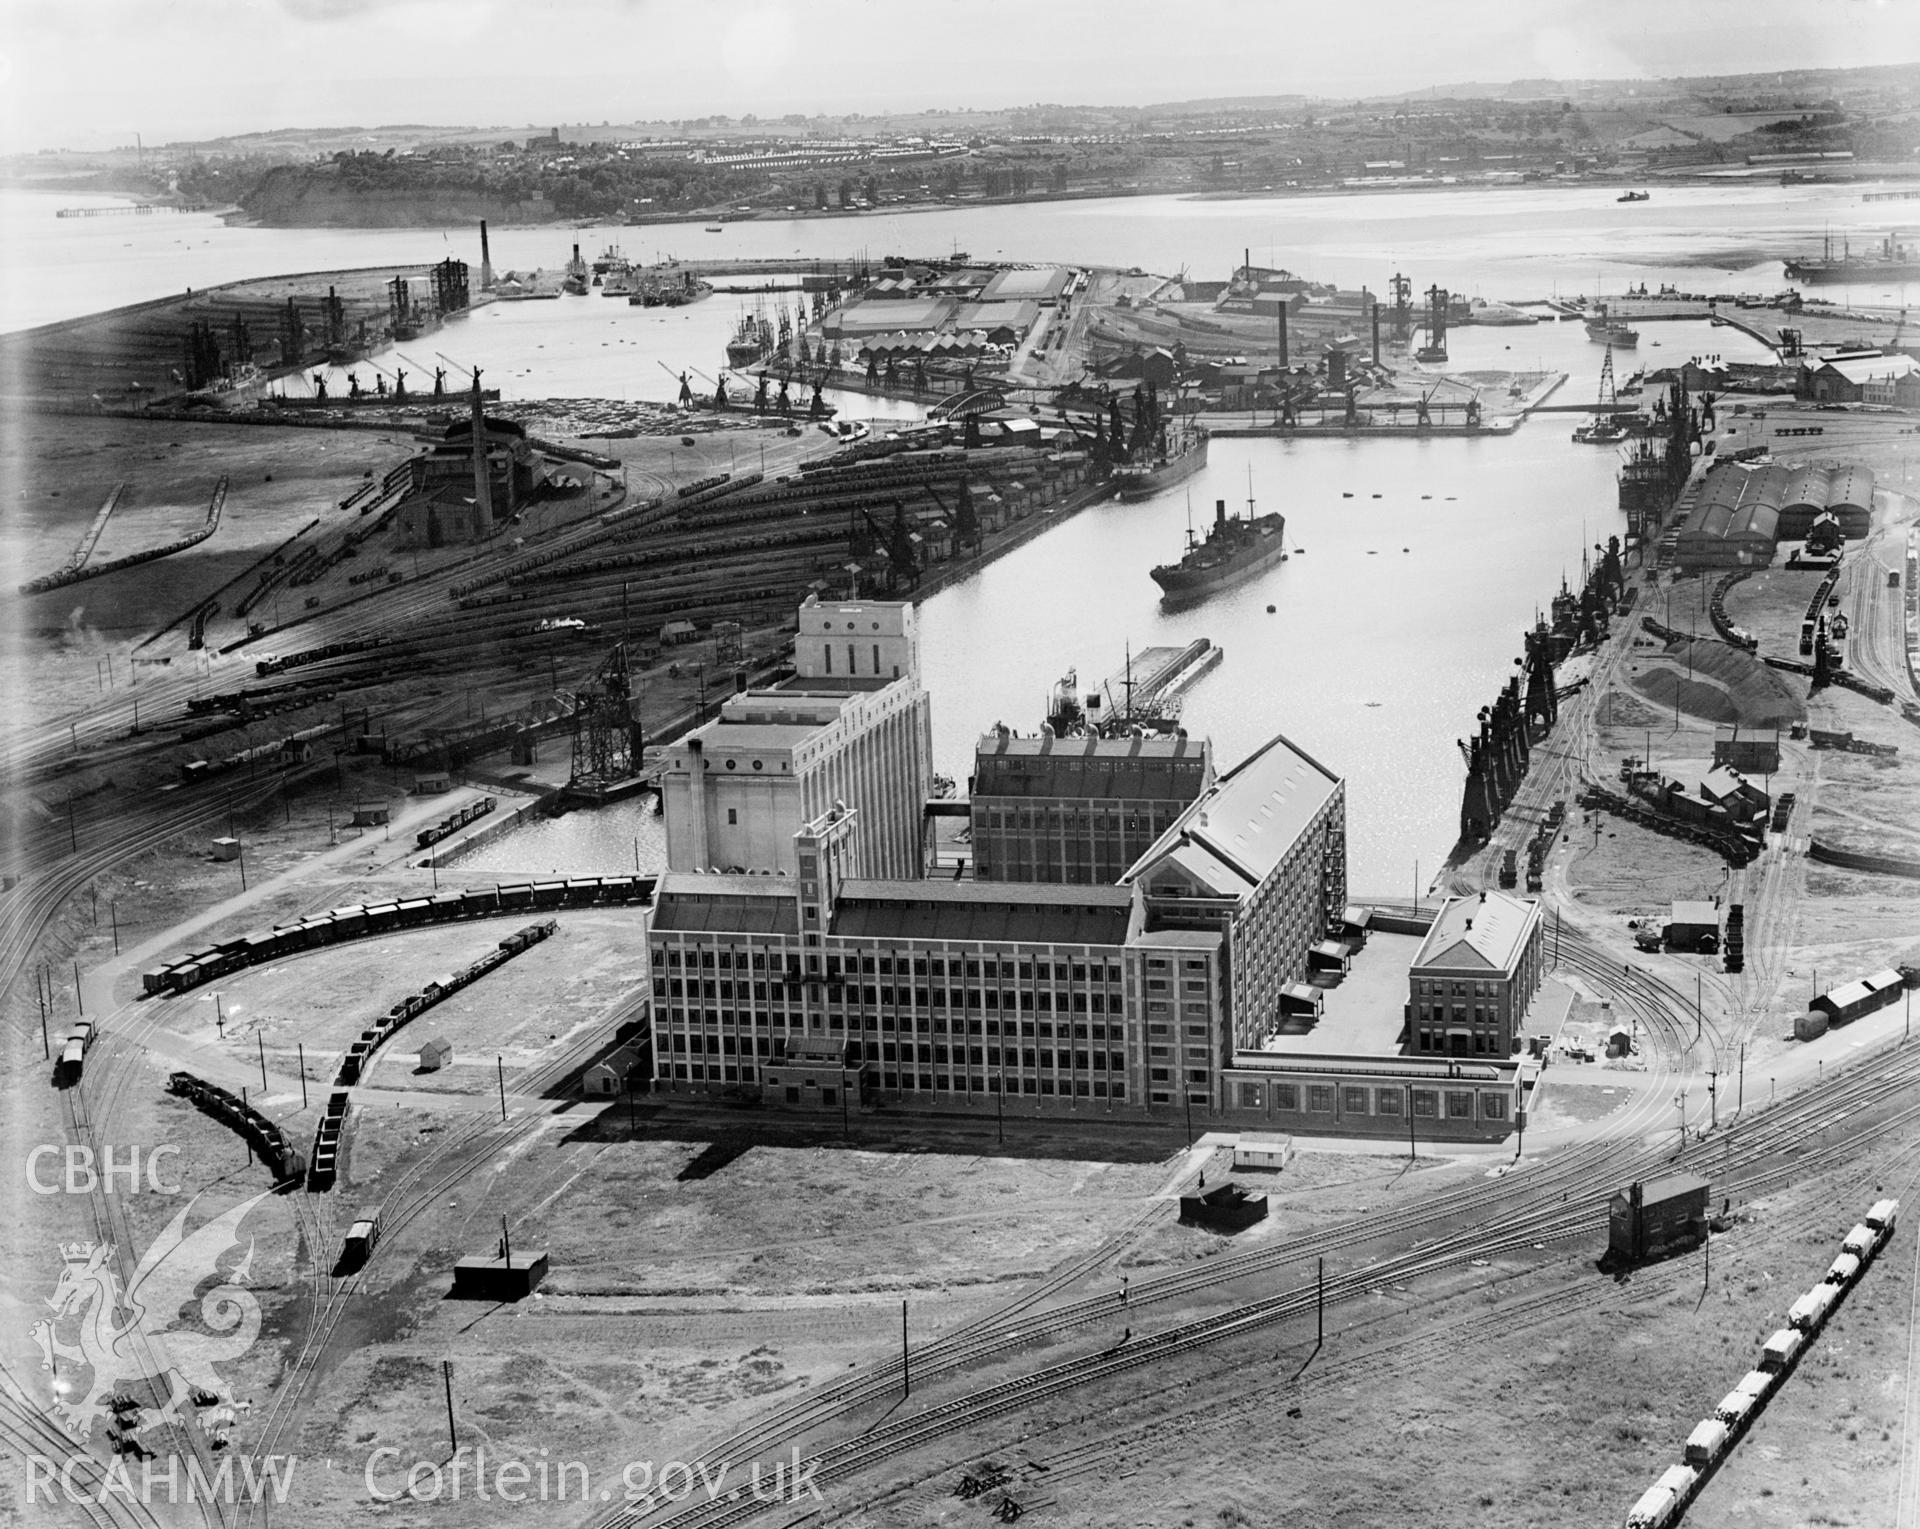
<point x="369" y="814"/>
<point x="432" y="783"/>
<point x="1694" y="926"/>
<point x="1853" y="999"/>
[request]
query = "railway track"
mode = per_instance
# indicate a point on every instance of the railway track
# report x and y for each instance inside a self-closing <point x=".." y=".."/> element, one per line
<point x="462" y="1150"/>
<point x="1543" y="1205"/>
<point x="28" y="1433"/>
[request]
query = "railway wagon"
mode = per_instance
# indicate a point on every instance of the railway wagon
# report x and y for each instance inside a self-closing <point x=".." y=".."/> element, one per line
<point x="549" y="894"/>
<point x="1882" y="1215"/>
<point x="1844" y="1269"/>
<point x="361" y="1239"/>
<point x="479" y="900"/>
<point x="1739" y="1403"/>
<point x="72" y="1059"/>
<point x="1810" y="1312"/>
<point x="582" y="891"/>
<point x="415" y="911"/>
<point x="1780" y="1351"/>
<point x="1708" y="1441"/>
<point x="519" y="895"/>
<point x="1861" y="1242"/>
<point x="1662" y="1502"/>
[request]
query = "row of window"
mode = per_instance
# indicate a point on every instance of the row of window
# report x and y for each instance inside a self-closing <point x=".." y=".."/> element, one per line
<point x="1439" y="1013"/>
<point x="672" y="957"/>
<point x="990" y="1000"/>
<point x="940" y="1024"/>
<point x="976" y="1056"/>
<point x="1426" y="988"/>
<point x="1358" y="1099"/>
<point x="1441" y="1041"/>
<point x="1053" y="820"/>
<point x="923" y="1082"/>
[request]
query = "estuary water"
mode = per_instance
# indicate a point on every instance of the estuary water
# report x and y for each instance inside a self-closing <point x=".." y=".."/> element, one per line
<point x="1396" y="620"/>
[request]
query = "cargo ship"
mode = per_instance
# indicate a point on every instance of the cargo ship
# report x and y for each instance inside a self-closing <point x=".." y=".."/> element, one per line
<point x="1235" y="550"/>
<point x="1180" y="460"/>
<point x="1609" y="331"/>
<point x="1890" y="262"/>
<point x="752" y="341"/>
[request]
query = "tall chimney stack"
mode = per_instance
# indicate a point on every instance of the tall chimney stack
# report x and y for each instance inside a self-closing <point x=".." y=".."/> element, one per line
<point x="1376" y="332"/>
<point x="482" y="487"/>
<point x="486" y="260"/>
<point x="1285" y="364"/>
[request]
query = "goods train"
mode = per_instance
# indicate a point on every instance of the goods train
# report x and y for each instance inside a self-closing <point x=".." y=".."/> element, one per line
<point x="453" y="822"/>
<point x="360" y="919"/>
<point x="440" y="988"/>
<point x="1713" y="1438"/>
<point x="323" y="1167"/>
<point x="266" y="1138"/>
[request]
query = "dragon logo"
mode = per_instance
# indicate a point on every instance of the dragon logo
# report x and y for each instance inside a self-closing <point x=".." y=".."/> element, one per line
<point x="114" y="1339"/>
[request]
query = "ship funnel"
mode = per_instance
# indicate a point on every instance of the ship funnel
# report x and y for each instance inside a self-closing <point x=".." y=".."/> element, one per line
<point x="1219" y="512"/>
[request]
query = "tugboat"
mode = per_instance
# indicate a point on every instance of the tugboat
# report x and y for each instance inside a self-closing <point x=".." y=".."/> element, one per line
<point x="1635" y="196"/>
<point x="575" y="284"/>
<point x="1234" y="550"/>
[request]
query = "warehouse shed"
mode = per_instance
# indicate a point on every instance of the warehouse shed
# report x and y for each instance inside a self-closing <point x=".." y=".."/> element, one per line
<point x="1852" y="999"/>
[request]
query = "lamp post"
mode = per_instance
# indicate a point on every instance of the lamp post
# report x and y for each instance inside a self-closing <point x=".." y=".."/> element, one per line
<point x="1680" y="1104"/>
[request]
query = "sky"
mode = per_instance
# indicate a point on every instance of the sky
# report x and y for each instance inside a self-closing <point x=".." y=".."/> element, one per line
<point x="89" y="74"/>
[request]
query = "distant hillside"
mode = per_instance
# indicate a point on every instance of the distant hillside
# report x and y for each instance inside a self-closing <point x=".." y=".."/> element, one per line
<point x="319" y="196"/>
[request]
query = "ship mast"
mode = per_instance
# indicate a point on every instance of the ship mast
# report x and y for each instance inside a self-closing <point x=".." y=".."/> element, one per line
<point x="1249" y="493"/>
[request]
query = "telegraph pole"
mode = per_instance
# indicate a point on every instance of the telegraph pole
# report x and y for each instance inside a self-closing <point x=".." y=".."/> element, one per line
<point x="446" y="1374"/>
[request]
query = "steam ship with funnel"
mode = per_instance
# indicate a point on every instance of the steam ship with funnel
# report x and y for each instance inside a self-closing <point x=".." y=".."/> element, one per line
<point x="1891" y="261"/>
<point x="1234" y="551"/>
